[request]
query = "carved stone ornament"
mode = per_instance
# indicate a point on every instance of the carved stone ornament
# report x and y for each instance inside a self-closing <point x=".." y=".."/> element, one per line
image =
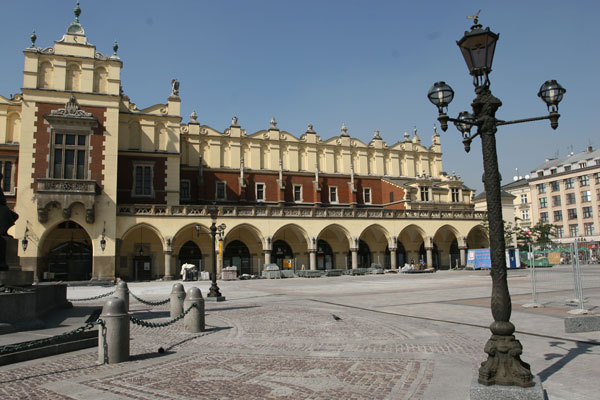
<point x="71" y="110"/>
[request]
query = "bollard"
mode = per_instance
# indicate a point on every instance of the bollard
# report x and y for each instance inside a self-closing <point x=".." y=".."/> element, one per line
<point x="176" y="300"/>
<point x="194" y="320"/>
<point x="122" y="292"/>
<point x="113" y="339"/>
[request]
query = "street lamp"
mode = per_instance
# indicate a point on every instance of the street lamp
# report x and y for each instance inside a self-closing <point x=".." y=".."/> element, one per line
<point x="504" y="365"/>
<point x="214" y="292"/>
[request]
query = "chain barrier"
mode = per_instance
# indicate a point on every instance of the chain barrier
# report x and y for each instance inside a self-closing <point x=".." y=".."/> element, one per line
<point x="11" y="348"/>
<point x="93" y="298"/>
<point x="150" y="303"/>
<point x="147" y="324"/>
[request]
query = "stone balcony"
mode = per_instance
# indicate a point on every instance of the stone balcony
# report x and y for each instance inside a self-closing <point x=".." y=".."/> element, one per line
<point x="295" y="212"/>
<point x="65" y="193"/>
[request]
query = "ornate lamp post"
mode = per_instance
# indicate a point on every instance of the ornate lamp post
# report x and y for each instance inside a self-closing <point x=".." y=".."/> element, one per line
<point x="214" y="292"/>
<point x="504" y="365"/>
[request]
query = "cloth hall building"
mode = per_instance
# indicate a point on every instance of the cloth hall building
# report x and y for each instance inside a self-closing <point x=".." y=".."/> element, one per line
<point x="105" y="189"/>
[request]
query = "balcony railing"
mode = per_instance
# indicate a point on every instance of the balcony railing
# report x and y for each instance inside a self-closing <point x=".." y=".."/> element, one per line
<point x="296" y="212"/>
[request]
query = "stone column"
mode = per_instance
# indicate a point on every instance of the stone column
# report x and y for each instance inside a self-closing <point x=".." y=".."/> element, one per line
<point x="393" y="259"/>
<point x="267" y="256"/>
<point x="429" y="260"/>
<point x="354" y="258"/>
<point x="313" y="259"/>
<point x="168" y="273"/>
<point x="463" y="257"/>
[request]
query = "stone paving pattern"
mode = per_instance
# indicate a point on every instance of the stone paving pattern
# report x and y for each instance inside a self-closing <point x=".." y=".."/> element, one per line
<point x="280" y="340"/>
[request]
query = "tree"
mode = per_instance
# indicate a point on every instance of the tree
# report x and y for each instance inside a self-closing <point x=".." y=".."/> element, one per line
<point x="510" y="230"/>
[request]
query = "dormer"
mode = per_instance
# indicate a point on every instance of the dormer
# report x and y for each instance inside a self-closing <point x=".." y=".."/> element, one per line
<point x="72" y="64"/>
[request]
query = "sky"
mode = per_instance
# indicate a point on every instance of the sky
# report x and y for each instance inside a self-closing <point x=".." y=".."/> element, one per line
<point x="368" y="64"/>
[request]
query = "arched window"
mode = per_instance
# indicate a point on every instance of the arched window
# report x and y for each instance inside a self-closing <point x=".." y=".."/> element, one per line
<point x="73" y="78"/>
<point x="13" y="128"/>
<point x="45" y="75"/>
<point x="190" y="254"/>
<point x="282" y="254"/>
<point x="237" y="255"/>
<point x="325" y="259"/>
<point x="100" y="80"/>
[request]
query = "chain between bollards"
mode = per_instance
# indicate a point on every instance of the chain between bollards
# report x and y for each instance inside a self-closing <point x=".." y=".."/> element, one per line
<point x="147" y="324"/>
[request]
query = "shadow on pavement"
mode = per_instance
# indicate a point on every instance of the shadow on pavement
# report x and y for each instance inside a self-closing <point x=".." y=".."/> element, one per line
<point x="563" y="360"/>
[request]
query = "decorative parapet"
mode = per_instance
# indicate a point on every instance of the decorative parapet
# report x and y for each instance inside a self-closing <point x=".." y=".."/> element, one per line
<point x="297" y="212"/>
<point x="65" y="193"/>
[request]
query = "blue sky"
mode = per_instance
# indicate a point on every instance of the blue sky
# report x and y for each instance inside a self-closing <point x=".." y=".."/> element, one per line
<point x="368" y="64"/>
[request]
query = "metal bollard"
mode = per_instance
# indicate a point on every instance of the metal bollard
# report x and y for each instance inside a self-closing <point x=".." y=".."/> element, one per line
<point x="122" y="292"/>
<point x="176" y="300"/>
<point x="113" y="339"/>
<point x="194" y="320"/>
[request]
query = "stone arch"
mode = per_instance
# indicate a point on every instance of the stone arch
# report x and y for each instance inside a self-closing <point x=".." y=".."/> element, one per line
<point x="339" y="238"/>
<point x="13" y="127"/>
<point x="135" y="135"/>
<point x="200" y="236"/>
<point x="142" y="253"/>
<point x="297" y="238"/>
<point x="477" y="238"/>
<point x="65" y="252"/>
<point x="377" y="238"/>
<point x="412" y="237"/>
<point x="253" y="239"/>
<point x="45" y="75"/>
<point x="73" y="77"/>
<point x="100" y="80"/>
<point x="446" y="239"/>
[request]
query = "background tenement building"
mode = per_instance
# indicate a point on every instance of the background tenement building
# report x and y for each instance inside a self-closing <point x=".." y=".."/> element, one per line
<point x="106" y="189"/>
<point x="566" y="192"/>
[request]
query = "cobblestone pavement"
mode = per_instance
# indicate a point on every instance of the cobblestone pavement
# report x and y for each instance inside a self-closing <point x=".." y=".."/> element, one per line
<point x="265" y="342"/>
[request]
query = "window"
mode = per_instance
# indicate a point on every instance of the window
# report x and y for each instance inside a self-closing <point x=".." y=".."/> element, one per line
<point x="142" y="180"/>
<point x="540" y="174"/>
<point x="541" y="187"/>
<point x="260" y="192"/>
<point x="7" y="171"/>
<point x="221" y="190"/>
<point x="543" y="202"/>
<point x="367" y="195"/>
<point x="597" y="177"/>
<point x="555" y="185"/>
<point x="588" y="229"/>
<point x="544" y="217"/>
<point x="525" y="214"/>
<point x="560" y="231"/>
<point x="552" y="171"/>
<point x="584" y="180"/>
<point x="597" y="194"/>
<point x="556" y="200"/>
<point x="455" y="195"/>
<point x="574" y="230"/>
<point x="582" y="164"/>
<point x="567" y="168"/>
<point x="424" y="193"/>
<point x="570" y="198"/>
<point x="297" y="193"/>
<point x="392" y="196"/>
<point x="569" y="183"/>
<point x="333" y="194"/>
<point x="597" y="162"/>
<point x="557" y="215"/>
<point x="572" y="213"/>
<point x="523" y="199"/>
<point x="69" y="158"/>
<point x="184" y="189"/>
<point x="586" y="195"/>
<point x="587" y="212"/>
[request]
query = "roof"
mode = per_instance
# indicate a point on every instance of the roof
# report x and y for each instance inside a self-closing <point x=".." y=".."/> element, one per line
<point x="570" y="159"/>
<point x="515" y="184"/>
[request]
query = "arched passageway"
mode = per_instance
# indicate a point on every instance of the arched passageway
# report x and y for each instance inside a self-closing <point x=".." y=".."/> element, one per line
<point x="68" y="253"/>
<point x="237" y="255"/>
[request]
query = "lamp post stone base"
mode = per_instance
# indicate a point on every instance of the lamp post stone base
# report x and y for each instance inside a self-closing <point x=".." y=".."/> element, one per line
<point x="498" y="392"/>
<point x="504" y="365"/>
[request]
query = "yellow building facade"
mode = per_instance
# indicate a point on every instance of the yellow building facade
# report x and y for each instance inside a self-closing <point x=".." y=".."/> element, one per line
<point x="104" y="189"/>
